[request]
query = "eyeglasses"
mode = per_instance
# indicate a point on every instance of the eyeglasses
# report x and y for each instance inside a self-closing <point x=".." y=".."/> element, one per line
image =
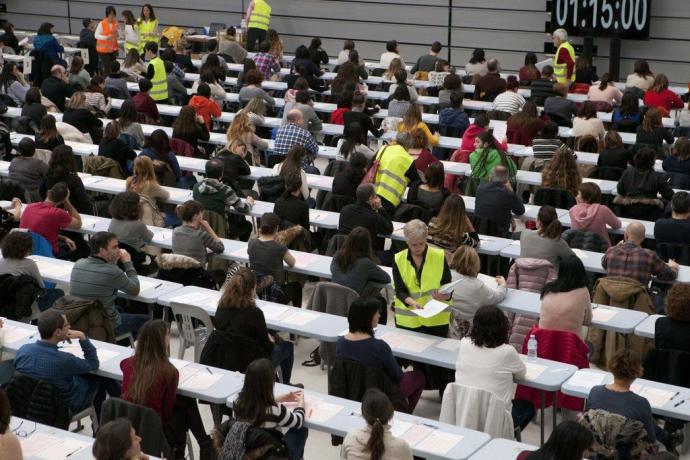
<point x="22" y="433"/>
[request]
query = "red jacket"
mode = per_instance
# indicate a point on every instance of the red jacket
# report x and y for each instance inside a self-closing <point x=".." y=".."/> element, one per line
<point x="338" y="116"/>
<point x="561" y="346"/>
<point x="666" y="99"/>
<point x="146" y="107"/>
<point x="206" y="108"/>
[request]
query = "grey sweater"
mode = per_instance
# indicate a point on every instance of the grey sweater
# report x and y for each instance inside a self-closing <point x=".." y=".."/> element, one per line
<point x="538" y="247"/>
<point x="313" y="122"/>
<point x="17" y="267"/>
<point x="131" y="232"/>
<point x="95" y="279"/>
<point x="28" y="171"/>
<point x="192" y="242"/>
<point x="248" y="93"/>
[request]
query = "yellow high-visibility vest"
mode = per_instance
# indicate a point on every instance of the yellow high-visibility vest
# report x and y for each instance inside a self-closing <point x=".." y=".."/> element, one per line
<point x="148" y="32"/>
<point x="159" y="92"/>
<point x="261" y="15"/>
<point x="560" y="71"/>
<point x="390" y="181"/>
<point x="432" y="273"/>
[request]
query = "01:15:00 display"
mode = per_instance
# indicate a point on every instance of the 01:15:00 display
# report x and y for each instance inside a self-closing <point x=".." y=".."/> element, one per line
<point x="629" y="11"/>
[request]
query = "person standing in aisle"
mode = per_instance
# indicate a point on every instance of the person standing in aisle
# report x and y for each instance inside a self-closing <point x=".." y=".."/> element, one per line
<point x="131" y="32"/>
<point x="564" y="60"/>
<point x="148" y="27"/>
<point x="258" y="19"/>
<point x="156" y="73"/>
<point x="106" y="39"/>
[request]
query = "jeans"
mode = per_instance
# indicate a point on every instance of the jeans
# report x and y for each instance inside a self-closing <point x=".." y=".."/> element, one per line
<point x="130" y="322"/>
<point x="49" y="297"/>
<point x="283" y="355"/>
<point x="98" y="387"/>
<point x="295" y="439"/>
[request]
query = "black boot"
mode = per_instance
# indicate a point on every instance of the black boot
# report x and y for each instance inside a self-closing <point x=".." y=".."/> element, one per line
<point x="206" y="449"/>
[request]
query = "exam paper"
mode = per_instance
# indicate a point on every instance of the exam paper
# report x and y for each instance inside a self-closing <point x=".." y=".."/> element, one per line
<point x="273" y="311"/>
<point x="439" y="442"/>
<point x="75" y="349"/>
<point x="432" y="308"/>
<point x="53" y="269"/>
<point x="302" y="259"/>
<point x="63" y="449"/>
<point x="406" y="342"/>
<point x="416" y="433"/>
<point x="148" y="283"/>
<point x="500" y="130"/>
<point x="89" y="221"/>
<point x="533" y="370"/>
<point x="11" y="334"/>
<point x="322" y="411"/>
<point x="448" y="344"/>
<point x="580" y="253"/>
<point x="198" y="298"/>
<point x="36" y="443"/>
<point x="656" y="396"/>
<point x="585" y="379"/>
<point x="201" y="381"/>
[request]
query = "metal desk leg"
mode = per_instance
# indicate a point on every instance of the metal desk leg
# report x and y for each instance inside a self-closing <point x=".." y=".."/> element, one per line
<point x="553" y="406"/>
<point x="543" y="403"/>
<point x="626" y="339"/>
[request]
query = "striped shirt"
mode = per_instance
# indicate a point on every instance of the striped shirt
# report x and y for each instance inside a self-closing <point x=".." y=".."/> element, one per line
<point x="281" y="417"/>
<point x="545" y="148"/>
<point x="509" y="101"/>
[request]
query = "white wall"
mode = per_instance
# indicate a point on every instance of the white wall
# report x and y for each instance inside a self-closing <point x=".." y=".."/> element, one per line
<point x="507" y="29"/>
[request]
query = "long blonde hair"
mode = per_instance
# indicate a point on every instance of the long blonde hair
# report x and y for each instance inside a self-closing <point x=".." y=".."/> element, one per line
<point x="150" y="361"/>
<point x="395" y="65"/>
<point x="143" y="174"/>
<point x="255" y="105"/>
<point x="412" y="117"/>
<point x="77" y="101"/>
<point x="240" y="128"/>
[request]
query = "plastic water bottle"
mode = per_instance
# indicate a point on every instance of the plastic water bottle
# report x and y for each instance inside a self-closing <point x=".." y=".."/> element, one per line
<point x="532" y="348"/>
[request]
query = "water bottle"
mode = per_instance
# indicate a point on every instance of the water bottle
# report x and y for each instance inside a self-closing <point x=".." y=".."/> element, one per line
<point x="532" y="348"/>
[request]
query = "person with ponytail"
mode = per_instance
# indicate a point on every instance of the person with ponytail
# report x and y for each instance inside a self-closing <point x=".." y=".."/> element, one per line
<point x="237" y="313"/>
<point x="606" y="91"/>
<point x="545" y="242"/>
<point x="375" y="441"/>
<point x="487" y="155"/>
<point x="149" y="379"/>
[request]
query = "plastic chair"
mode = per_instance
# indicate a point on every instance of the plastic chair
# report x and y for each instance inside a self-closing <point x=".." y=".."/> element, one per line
<point x="191" y="336"/>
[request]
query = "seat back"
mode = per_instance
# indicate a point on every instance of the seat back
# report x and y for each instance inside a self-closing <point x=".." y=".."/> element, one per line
<point x="607" y="173"/>
<point x="185" y="315"/>
<point x="351" y="379"/>
<point x="676" y="251"/>
<point x="582" y="239"/>
<point x="37" y="400"/>
<point x="335" y="299"/>
<point x="559" y="120"/>
<point x="556" y="197"/>
<point x="103" y="166"/>
<point x="145" y="421"/>
<point x="476" y="409"/>
<point x="615" y="436"/>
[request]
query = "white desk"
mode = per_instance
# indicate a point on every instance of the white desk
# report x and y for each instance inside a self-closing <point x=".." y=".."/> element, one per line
<point x="501" y="449"/>
<point x="647" y="327"/>
<point x="658" y="394"/>
<point x="194" y="378"/>
<point x="59" y="271"/>
<point x="339" y="416"/>
<point x="50" y="442"/>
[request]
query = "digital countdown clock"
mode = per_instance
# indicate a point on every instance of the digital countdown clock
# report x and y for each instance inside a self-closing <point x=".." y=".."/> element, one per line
<point x="627" y="19"/>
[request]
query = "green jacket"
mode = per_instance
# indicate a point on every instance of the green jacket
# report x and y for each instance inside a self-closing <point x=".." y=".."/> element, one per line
<point x="481" y="168"/>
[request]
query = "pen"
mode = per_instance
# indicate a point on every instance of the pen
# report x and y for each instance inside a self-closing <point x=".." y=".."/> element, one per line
<point x="679" y="403"/>
<point x="209" y="371"/>
<point x="677" y="393"/>
<point x="158" y="285"/>
<point x="428" y="425"/>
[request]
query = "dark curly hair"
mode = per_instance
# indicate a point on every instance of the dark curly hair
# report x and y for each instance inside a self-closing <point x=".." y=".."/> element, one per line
<point x="678" y="302"/>
<point x="625" y="365"/>
<point x="490" y="327"/>
<point x="17" y="245"/>
<point x="125" y="206"/>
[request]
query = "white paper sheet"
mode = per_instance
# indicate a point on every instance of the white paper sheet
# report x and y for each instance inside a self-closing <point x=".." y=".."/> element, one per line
<point x="64" y="449"/>
<point x="603" y="315"/>
<point x="38" y="442"/>
<point x="178" y="363"/>
<point x="303" y="259"/>
<point x="89" y="221"/>
<point x="240" y="253"/>
<point x="53" y="269"/>
<point x="198" y="298"/>
<point x="187" y="372"/>
<point x="500" y="130"/>
<point x="656" y="396"/>
<point x="406" y="342"/>
<point x="534" y="370"/>
<point x="148" y="283"/>
<point x="12" y="334"/>
<point x="75" y="349"/>
<point x="432" y="308"/>
<point x="112" y="184"/>
<point x="448" y="344"/>
<point x="515" y="243"/>
<point x="202" y="381"/>
<point x="323" y="411"/>
<point x="439" y="442"/>
<point x="450" y="287"/>
<point x="416" y="433"/>
<point x="593" y="181"/>
<point x="541" y="64"/>
<point x="580" y="253"/>
<point x="398" y="427"/>
<point x="585" y="379"/>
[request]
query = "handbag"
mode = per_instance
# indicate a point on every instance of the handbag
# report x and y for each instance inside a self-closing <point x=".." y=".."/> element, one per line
<point x="370" y="176"/>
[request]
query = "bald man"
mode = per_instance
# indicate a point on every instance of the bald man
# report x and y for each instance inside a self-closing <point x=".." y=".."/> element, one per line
<point x="293" y="133"/>
<point x="628" y="258"/>
<point x="56" y="87"/>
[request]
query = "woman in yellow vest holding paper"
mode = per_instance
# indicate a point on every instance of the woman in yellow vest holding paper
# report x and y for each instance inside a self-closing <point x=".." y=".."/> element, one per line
<point x="148" y="27"/>
<point x="258" y="19"/>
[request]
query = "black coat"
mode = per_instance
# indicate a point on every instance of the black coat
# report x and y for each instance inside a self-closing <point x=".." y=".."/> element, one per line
<point x="37" y="400"/>
<point x="57" y="91"/>
<point x="18" y="293"/>
<point x="362" y="215"/>
<point x="230" y="351"/>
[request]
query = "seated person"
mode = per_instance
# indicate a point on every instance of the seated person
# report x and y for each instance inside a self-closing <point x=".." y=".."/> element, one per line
<point x="195" y="235"/>
<point x="360" y="345"/>
<point x="215" y="196"/>
<point x="569" y="440"/>
<point x="126" y="224"/>
<point x="10" y="447"/>
<point x="291" y="207"/>
<point x="486" y="361"/>
<point x="617" y="398"/>
<point x="144" y="103"/>
<point x="117" y="439"/>
<point x="592" y="216"/>
<point x="237" y="313"/>
<point x="367" y="212"/>
<point x="98" y="277"/>
<point x="50" y="216"/>
<point x="347" y="180"/>
<point x="676" y="229"/>
<point x="71" y="376"/>
<point x="27" y="170"/>
<point x="672" y="332"/>
<point x="149" y="379"/>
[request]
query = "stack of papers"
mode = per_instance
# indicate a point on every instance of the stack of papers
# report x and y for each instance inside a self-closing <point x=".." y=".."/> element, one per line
<point x="49" y="447"/>
<point x="603" y="315"/>
<point x="407" y="342"/>
<point x="195" y="378"/>
<point x="656" y="396"/>
<point x="297" y="316"/>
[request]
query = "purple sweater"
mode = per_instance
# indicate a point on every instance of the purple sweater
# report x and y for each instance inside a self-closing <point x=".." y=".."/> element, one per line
<point x="594" y="218"/>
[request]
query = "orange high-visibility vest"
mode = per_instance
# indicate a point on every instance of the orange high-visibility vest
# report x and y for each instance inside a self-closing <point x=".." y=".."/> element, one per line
<point x="108" y="45"/>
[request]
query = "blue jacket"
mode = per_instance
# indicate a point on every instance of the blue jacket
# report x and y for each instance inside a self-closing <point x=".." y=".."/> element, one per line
<point x="456" y="118"/>
<point x="44" y="361"/>
<point x="49" y="45"/>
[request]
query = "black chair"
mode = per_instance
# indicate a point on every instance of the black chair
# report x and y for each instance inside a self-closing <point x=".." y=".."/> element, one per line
<point x="491" y="265"/>
<point x="607" y="173"/>
<point x="676" y="251"/>
<point x="560" y="121"/>
<point x="587" y="241"/>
